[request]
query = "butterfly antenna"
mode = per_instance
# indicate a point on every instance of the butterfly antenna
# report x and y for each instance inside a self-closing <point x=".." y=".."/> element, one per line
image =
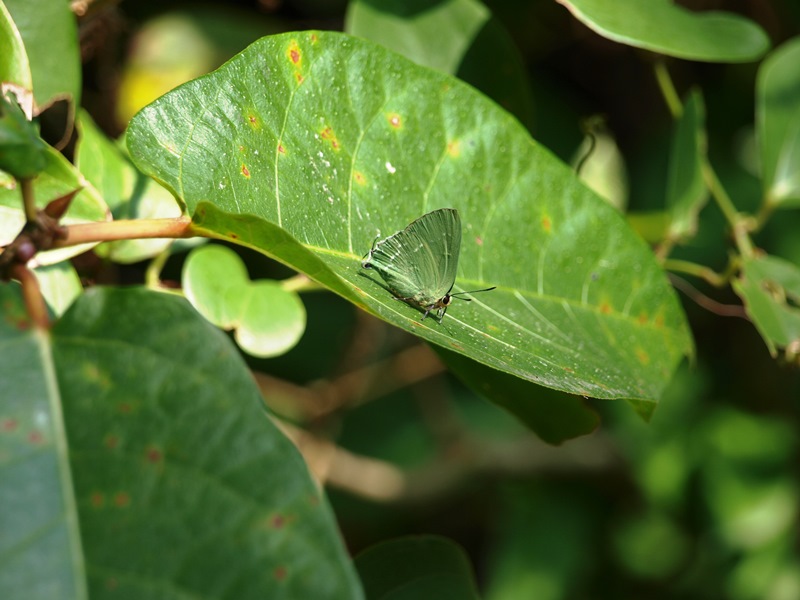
<point x="457" y="294"/>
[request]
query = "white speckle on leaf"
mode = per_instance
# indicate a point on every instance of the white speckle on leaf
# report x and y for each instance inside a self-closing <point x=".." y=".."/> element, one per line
<point x="390" y="168"/>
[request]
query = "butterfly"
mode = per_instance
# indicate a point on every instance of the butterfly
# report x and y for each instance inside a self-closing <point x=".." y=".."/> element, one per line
<point x="419" y="263"/>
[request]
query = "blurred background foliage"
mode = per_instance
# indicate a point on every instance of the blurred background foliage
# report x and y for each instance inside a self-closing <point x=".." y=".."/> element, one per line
<point x="700" y="503"/>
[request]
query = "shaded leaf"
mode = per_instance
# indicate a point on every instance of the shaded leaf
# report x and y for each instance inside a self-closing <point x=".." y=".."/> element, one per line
<point x="22" y="151"/>
<point x="169" y="442"/>
<point x="670" y="29"/>
<point x="416" y="568"/>
<point x="686" y="189"/>
<point x="778" y="120"/>
<point x="14" y="68"/>
<point x="42" y="555"/>
<point x="307" y="161"/>
<point x="128" y="193"/>
<point x="60" y="285"/>
<point x="50" y="34"/>
<point x="770" y="288"/>
<point x="554" y="416"/>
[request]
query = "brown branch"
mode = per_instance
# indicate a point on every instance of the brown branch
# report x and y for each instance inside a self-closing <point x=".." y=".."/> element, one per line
<point x="110" y="231"/>
<point x="711" y="305"/>
<point x="32" y="295"/>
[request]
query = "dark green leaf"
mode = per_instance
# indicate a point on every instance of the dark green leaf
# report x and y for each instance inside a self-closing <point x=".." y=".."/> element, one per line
<point x="667" y="28"/>
<point x="290" y="150"/>
<point x="42" y="556"/>
<point x="23" y="154"/>
<point x="778" y="120"/>
<point x="686" y="189"/>
<point x="416" y="568"/>
<point x="767" y="285"/>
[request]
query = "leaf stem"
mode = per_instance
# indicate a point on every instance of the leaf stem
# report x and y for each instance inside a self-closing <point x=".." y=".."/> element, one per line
<point x="110" y="231"/>
<point x="668" y="90"/>
<point x="28" y="199"/>
<point x="738" y="222"/>
<point x="152" y="276"/>
<point x="696" y="270"/>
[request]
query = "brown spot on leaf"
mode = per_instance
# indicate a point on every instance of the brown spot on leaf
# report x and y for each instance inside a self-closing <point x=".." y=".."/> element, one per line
<point x="35" y="437"/>
<point x="10" y="424"/>
<point x="294" y="54"/>
<point x="329" y="136"/>
<point x="245" y="171"/>
<point x="605" y="308"/>
<point x="642" y="319"/>
<point x="252" y="120"/>
<point x="281" y="149"/>
<point x="154" y="455"/>
<point x="454" y="148"/>
<point x="277" y="521"/>
<point x="97" y="500"/>
<point x="280" y="573"/>
<point x="125" y="408"/>
<point x="395" y="120"/>
<point x="111" y="441"/>
<point x="299" y="78"/>
<point x="479" y="240"/>
<point x="546" y="224"/>
<point x="122" y="499"/>
<point x="314" y="38"/>
<point x="359" y="178"/>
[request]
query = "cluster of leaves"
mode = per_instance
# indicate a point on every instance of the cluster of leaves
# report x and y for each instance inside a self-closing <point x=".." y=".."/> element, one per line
<point x="303" y="147"/>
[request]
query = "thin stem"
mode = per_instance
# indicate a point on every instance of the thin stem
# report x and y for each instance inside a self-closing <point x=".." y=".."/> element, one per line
<point x="152" y="276"/>
<point x="668" y="90"/>
<point x="690" y="268"/>
<point x="110" y="231"/>
<point x="301" y="283"/>
<point x="737" y="222"/>
<point x="28" y="199"/>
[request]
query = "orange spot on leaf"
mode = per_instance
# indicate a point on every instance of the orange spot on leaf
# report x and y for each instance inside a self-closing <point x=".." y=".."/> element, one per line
<point x="328" y="135"/>
<point x="98" y="500"/>
<point x="245" y="171"/>
<point x="314" y="38"/>
<point x="643" y="356"/>
<point x="394" y="120"/>
<point x="605" y="308"/>
<point x="125" y="408"/>
<point x="10" y="424"/>
<point x="359" y="177"/>
<point x="280" y="573"/>
<point x="294" y="54"/>
<point x="35" y="437"/>
<point x="660" y="321"/>
<point x="454" y="148"/>
<point x="253" y="120"/>
<point x="281" y="149"/>
<point x="546" y="224"/>
<point x="479" y="240"/>
<point x="642" y="319"/>
<point x="299" y="78"/>
<point x="111" y="442"/>
<point x="122" y="499"/>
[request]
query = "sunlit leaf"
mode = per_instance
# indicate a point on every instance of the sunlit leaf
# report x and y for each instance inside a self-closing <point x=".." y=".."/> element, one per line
<point x="290" y="150"/>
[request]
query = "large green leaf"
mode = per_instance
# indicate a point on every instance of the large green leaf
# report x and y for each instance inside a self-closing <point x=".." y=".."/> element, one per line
<point x="459" y="37"/>
<point x="142" y="415"/>
<point x="667" y="28"/>
<point x="289" y="149"/>
<point x="40" y="547"/>
<point x="778" y="119"/>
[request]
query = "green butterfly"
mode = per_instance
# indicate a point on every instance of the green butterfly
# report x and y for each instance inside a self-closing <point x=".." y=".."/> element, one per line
<point x="419" y="263"/>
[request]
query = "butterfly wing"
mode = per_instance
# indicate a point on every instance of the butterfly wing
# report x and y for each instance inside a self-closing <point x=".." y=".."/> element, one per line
<point x="420" y="262"/>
